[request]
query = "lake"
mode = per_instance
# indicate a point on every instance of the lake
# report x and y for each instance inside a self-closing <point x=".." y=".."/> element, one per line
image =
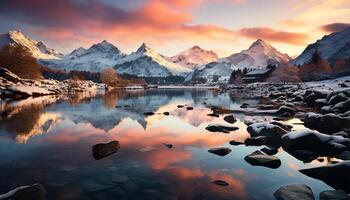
<point x="49" y="140"/>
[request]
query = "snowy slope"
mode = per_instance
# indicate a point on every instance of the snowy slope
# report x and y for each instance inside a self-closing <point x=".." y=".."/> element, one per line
<point x="146" y="62"/>
<point x="39" y="50"/>
<point x="194" y="57"/>
<point x="257" y="56"/>
<point x="331" y="48"/>
<point x="95" y="59"/>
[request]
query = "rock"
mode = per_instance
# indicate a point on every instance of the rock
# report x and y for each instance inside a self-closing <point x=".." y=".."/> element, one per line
<point x="258" y="158"/>
<point x="189" y="108"/>
<point x="169" y="146"/>
<point x="272" y="132"/>
<point x="282" y="125"/>
<point x="311" y="95"/>
<point x="102" y="150"/>
<point x="180" y="106"/>
<point x="221" y="151"/>
<point x="220" y="128"/>
<point x="269" y="150"/>
<point x="244" y="105"/>
<point x="30" y="192"/>
<point x="342" y="107"/>
<point x="334" y="195"/>
<point x="166" y="113"/>
<point x="307" y="145"/>
<point x="286" y="110"/>
<point x="220" y="183"/>
<point x="149" y="113"/>
<point x="249" y="121"/>
<point x="294" y="192"/>
<point x="334" y="175"/>
<point x="230" y="119"/>
<point x="337" y="99"/>
<point x="235" y="143"/>
<point x="329" y="123"/>
<point x="213" y="115"/>
<point x="256" y="141"/>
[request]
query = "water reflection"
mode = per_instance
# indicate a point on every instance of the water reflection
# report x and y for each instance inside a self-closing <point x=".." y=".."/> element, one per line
<point x="59" y="133"/>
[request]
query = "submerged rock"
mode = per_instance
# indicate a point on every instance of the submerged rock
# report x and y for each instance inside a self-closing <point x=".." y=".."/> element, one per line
<point x="102" y="150"/>
<point x="149" y="113"/>
<point x="258" y="158"/>
<point x="166" y="113"/>
<point x="189" y="108"/>
<point x="220" y="128"/>
<point x="334" y="175"/>
<point x="221" y="151"/>
<point x="334" y="195"/>
<point x="220" y="183"/>
<point x="230" y="119"/>
<point x="294" y="192"/>
<point x="35" y="192"/>
<point x="235" y="143"/>
<point x="180" y="106"/>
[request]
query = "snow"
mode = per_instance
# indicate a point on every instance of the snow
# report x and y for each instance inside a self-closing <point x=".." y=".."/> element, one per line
<point x="30" y="89"/>
<point x="258" y="72"/>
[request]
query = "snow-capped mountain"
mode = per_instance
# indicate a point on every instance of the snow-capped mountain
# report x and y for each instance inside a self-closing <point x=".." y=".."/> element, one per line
<point x="146" y="62"/>
<point x="259" y="55"/>
<point x="331" y="48"/>
<point x="39" y="50"/>
<point x="94" y="59"/>
<point x="194" y="57"/>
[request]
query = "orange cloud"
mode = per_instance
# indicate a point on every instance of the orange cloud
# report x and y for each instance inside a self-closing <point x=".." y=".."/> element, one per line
<point x="334" y="27"/>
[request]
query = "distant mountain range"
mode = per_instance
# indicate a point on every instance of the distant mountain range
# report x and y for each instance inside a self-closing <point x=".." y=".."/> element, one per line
<point x="192" y="63"/>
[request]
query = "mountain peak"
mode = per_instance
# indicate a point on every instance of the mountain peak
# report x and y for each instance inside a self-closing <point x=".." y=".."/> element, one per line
<point x="104" y="46"/>
<point x="144" y="48"/>
<point x="260" y="43"/>
<point x="196" y="47"/>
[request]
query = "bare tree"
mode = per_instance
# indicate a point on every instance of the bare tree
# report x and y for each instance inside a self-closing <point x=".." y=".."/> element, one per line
<point x="110" y="77"/>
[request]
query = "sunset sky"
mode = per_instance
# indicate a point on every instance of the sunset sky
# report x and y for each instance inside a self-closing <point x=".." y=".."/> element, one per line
<point x="170" y="26"/>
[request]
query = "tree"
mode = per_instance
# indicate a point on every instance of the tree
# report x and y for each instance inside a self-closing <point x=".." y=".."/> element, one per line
<point x="19" y="60"/>
<point x="316" y="69"/>
<point x="110" y="77"/>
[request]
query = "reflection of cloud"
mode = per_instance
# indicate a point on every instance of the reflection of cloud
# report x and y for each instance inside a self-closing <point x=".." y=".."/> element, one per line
<point x="163" y="158"/>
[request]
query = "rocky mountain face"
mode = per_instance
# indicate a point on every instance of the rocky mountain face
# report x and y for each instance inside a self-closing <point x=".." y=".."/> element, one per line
<point x="331" y="47"/>
<point x="194" y="57"/>
<point x="259" y="55"/>
<point x="39" y="49"/>
<point x="146" y="62"/>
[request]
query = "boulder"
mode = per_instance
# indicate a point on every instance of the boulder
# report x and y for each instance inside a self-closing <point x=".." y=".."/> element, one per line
<point x="337" y="99"/>
<point x="334" y="175"/>
<point x="258" y="158"/>
<point x="285" y="110"/>
<point x="256" y="141"/>
<point x="342" y="107"/>
<point x="334" y="195"/>
<point x="220" y="128"/>
<point x="149" y="113"/>
<point x="189" y="108"/>
<point x="294" y="192"/>
<point x="269" y="150"/>
<point x="307" y="145"/>
<point x="166" y="113"/>
<point x="235" y="143"/>
<point x="272" y="132"/>
<point x="34" y="192"/>
<point x="328" y="123"/>
<point x="230" y="119"/>
<point x="102" y="150"/>
<point x="221" y="151"/>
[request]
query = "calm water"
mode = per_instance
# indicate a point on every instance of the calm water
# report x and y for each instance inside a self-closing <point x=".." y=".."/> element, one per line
<point x="48" y="140"/>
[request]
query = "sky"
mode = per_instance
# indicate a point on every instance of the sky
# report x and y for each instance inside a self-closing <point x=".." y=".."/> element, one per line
<point x="171" y="26"/>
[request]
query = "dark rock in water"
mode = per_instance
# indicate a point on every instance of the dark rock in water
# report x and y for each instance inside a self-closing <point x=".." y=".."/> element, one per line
<point x="334" y="195"/>
<point x="297" y="99"/>
<point x="30" y="192"/>
<point x="329" y="123"/>
<point x="149" y="113"/>
<point x="220" y="128"/>
<point x="269" y="150"/>
<point x="180" y="106"/>
<point x="334" y="175"/>
<point x="244" y="105"/>
<point x="189" y="108"/>
<point x="337" y="99"/>
<point x="258" y="158"/>
<point x="126" y="106"/>
<point x="312" y="95"/>
<point x="102" y="150"/>
<point x="272" y="132"/>
<point x="168" y="145"/>
<point x="221" y="151"/>
<point x="230" y="119"/>
<point x="342" y="107"/>
<point x="307" y="145"/>
<point x="294" y="192"/>
<point x="286" y="110"/>
<point x="213" y="115"/>
<point x="343" y="85"/>
<point x="282" y="125"/>
<point x="235" y="143"/>
<point x="166" y="113"/>
<point x="256" y="141"/>
<point x="220" y="183"/>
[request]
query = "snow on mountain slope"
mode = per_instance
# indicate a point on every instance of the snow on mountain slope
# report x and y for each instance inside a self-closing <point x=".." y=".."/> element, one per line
<point x="95" y="59"/>
<point x="194" y="57"/>
<point x="257" y="56"/>
<point x="39" y="50"/>
<point x="146" y="62"/>
<point x="331" y="48"/>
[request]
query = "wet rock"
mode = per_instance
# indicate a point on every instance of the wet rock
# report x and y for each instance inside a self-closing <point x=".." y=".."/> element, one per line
<point x="220" y="183"/>
<point x="34" y="192"/>
<point x="337" y="99"/>
<point x="230" y="119"/>
<point x="244" y="105"/>
<point x="312" y="95"/>
<point x="189" y="108"/>
<point x="269" y="150"/>
<point x="329" y="123"/>
<point x="282" y="125"/>
<point x="166" y="113"/>
<point x="249" y="121"/>
<point x="294" y="192"/>
<point x="342" y="107"/>
<point x="307" y="145"/>
<point x="221" y="151"/>
<point x="272" y="132"/>
<point x="286" y="110"/>
<point x="180" y="106"/>
<point x="334" y="175"/>
<point x="220" y="128"/>
<point x="169" y="146"/>
<point x="258" y="158"/>
<point x="256" y="141"/>
<point x="213" y="115"/>
<point x="148" y="113"/>
<point x="102" y="150"/>
<point x="235" y="143"/>
<point x="334" y="195"/>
